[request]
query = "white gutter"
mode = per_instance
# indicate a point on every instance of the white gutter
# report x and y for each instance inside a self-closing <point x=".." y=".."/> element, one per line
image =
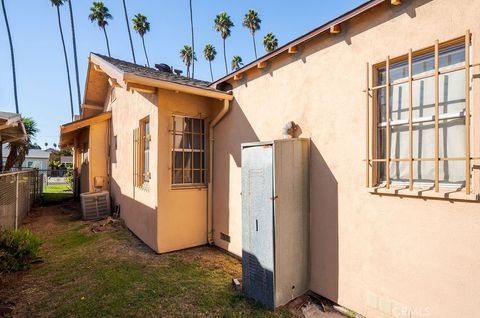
<point x="215" y="121"/>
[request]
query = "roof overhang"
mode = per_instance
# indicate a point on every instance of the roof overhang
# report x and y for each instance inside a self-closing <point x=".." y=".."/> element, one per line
<point x="12" y="127"/>
<point x="69" y="131"/>
<point x="128" y="81"/>
<point x="292" y="46"/>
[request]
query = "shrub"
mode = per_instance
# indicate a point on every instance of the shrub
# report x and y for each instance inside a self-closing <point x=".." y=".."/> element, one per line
<point x="18" y="248"/>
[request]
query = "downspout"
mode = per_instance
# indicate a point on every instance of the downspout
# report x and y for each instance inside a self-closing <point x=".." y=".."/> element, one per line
<point x="215" y="121"/>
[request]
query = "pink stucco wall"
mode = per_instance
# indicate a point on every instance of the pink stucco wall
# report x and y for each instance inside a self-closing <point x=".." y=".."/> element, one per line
<point x="381" y="256"/>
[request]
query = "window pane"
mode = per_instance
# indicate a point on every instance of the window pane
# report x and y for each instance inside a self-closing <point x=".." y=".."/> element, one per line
<point x="178" y="124"/>
<point x="178" y="142"/>
<point x="196" y="160"/>
<point x="178" y="177"/>
<point x="196" y="176"/>
<point x="381" y="141"/>
<point x="423" y="136"/>
<point x="188" y="124"/>
<point x="452" y="138"/>
<point x="399" y="171"/>
<point x="187" y="176"/>
<point x="187" y="141"/>
<point x="178" y="160"/>
<point x="399" y="105"/>
<point x="187" y="160"/>
<point x="197" y="142"/>
<point x="399" y="142"/>
<point x="196" y="126"/>
<point x="452" y="172"/>
<point x="423" y="98"/>
<point x="452" y="56"/>
<point x="452" y="92"/>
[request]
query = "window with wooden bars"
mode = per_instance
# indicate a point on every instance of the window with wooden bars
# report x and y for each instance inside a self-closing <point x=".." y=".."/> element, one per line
<point x="420" y="119"/>
<point x="188" y="151"/>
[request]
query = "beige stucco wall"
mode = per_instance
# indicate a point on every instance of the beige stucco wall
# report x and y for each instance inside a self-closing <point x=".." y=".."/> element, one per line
<point x="378" y="255"/>
<point x="138" y="206"/>
<point x="182" y="213"/>
<point x="98" y="154"/>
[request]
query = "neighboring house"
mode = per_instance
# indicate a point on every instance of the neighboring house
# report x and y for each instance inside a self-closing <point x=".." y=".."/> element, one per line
<point x="36" y="158"/>
<point x="394" y="178"/>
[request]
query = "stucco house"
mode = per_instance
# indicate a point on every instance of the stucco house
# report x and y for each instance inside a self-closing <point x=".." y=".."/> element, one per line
<point x="388" y="94"/>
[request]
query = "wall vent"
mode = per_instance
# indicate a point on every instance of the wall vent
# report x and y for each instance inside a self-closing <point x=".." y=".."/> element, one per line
<point x="225" y="237"/>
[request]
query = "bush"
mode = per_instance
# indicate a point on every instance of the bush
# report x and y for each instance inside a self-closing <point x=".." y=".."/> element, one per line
<point x="18" y="248"/>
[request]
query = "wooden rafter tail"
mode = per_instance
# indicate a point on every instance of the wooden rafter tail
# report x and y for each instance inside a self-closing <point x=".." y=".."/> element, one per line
<point x="387" y="115"/>
<point x="410" y="120"/>
<point x="467" y="113"/>
<point x="437" y="98"/>
<point x="367" y="127"/>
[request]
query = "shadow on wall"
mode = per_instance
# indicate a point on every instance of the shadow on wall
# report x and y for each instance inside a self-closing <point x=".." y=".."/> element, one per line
<point x="230" y="133"/>
<point x="257" y="281"/>
<point x="139" y="218"/>
<point x="324" y="255"/>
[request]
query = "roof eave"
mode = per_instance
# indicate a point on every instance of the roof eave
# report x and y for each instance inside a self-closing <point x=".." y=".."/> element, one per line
<point x="304" y="38"/>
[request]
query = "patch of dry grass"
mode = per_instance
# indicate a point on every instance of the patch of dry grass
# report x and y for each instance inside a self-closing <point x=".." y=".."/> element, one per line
<point x="112" y="274"/>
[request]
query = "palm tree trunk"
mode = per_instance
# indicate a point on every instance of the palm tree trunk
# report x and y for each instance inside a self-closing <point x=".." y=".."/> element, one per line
<point x="12" y="54"/>
<point x="188" y="70"/>
<point x="129" y="32"/>
<point x="74" y="40"/>
<point x="211" y="73"/>
<point x="225" y="57"/>
<point x="145" y="50"/>
<point x="254" y="45"/>
<point x="193" y="40"/>
<point x="66" y="60"/>
<point x="106" y="40"/>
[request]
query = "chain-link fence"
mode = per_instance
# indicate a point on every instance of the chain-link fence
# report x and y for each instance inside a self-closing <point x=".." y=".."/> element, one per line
<point x="18" y="191"/>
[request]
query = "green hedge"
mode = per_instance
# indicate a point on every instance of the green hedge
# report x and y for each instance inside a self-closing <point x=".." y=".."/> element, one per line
<point x="18" y="248"/>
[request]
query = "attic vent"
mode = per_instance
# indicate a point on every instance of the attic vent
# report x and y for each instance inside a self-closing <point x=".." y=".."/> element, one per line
<point x="95" y="205"/>
<point x="225" y="237"/>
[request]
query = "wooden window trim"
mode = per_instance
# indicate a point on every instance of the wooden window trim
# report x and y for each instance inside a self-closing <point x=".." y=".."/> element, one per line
<point x="141" y="178"/>
<point x="203" y="170"/>
<point x="438" y="190"/>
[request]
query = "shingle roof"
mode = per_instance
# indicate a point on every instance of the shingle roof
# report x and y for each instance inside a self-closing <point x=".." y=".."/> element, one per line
<point x="153" y="73"/>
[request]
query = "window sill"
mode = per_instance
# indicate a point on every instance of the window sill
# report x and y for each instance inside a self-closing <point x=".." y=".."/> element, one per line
<point x="426" y="193"/>
<point x="188" y="187"/>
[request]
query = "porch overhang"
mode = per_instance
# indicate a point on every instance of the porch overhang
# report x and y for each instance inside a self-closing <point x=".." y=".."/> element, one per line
<point x="11" y="127"/>
<point x="70" y="130"/>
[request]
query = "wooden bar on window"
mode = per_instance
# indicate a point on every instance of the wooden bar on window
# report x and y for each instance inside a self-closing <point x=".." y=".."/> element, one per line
<point x="367" y="128"/>
<point x="387" y="115"/>
<point x="374" y="88"/>
<point x="467" y="112"/>
<point x="437" y="98"/>
<point x="410" y="120"/>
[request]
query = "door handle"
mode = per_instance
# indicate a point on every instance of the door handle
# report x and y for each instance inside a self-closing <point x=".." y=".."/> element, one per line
<point x="256" y="224"/>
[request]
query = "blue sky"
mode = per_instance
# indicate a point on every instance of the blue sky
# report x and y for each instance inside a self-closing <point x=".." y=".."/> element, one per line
<point x="42" y="85"/>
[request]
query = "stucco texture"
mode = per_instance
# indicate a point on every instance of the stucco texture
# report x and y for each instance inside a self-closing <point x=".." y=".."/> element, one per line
<point x="381" y="256"/>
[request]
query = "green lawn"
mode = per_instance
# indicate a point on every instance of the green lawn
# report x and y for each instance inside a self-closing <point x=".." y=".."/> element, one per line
<point x="111" y="273"/>
<point x="53" y="194"/>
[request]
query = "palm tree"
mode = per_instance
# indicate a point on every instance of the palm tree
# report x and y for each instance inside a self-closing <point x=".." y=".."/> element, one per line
<point x="74" y="40"/>
<point x="223" y="24"/>
<point x="142" y="26"/>
<point x="99" y="13"/>
<point x="57" y="4"/>
<point x="270" y="42"/>
<point x="193" y="38"/>
<point x="252" y="22"/>
<point x="236" y="62"/>
<point x="187" y="56"/>
<point x="128" y="29"/>
<point x="46" y="145"/>
<point x="12" y="56"/>
<point x="19" y="149"/>
<point x="209" y="52"/>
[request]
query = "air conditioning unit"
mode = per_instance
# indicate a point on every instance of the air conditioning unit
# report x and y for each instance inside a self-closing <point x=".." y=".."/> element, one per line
<point x="95" y="205"/>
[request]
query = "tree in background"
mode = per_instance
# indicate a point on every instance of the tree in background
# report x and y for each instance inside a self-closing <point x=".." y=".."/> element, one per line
<point x="193" y="38"/>
<point x="57" y="4"/>
<point x="252" y="22"/>
<point x="99" y="13"/>
<point x="142" y="26"/>
<point x="270" y="42"/>
<point x="128" y="29"/>
<point x="209" y="53"/>
<point x="187" y="56"/>
<point x="236" y="62"/>
<point x="12" y="56"/>
<point x="74" y="41"/>
<point x="223" y="25"/>
<point x="46" y="145"/>
<point x="19" y="149"/>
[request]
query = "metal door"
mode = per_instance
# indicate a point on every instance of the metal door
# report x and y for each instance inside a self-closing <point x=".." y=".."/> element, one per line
<point x="257" y="223"/>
